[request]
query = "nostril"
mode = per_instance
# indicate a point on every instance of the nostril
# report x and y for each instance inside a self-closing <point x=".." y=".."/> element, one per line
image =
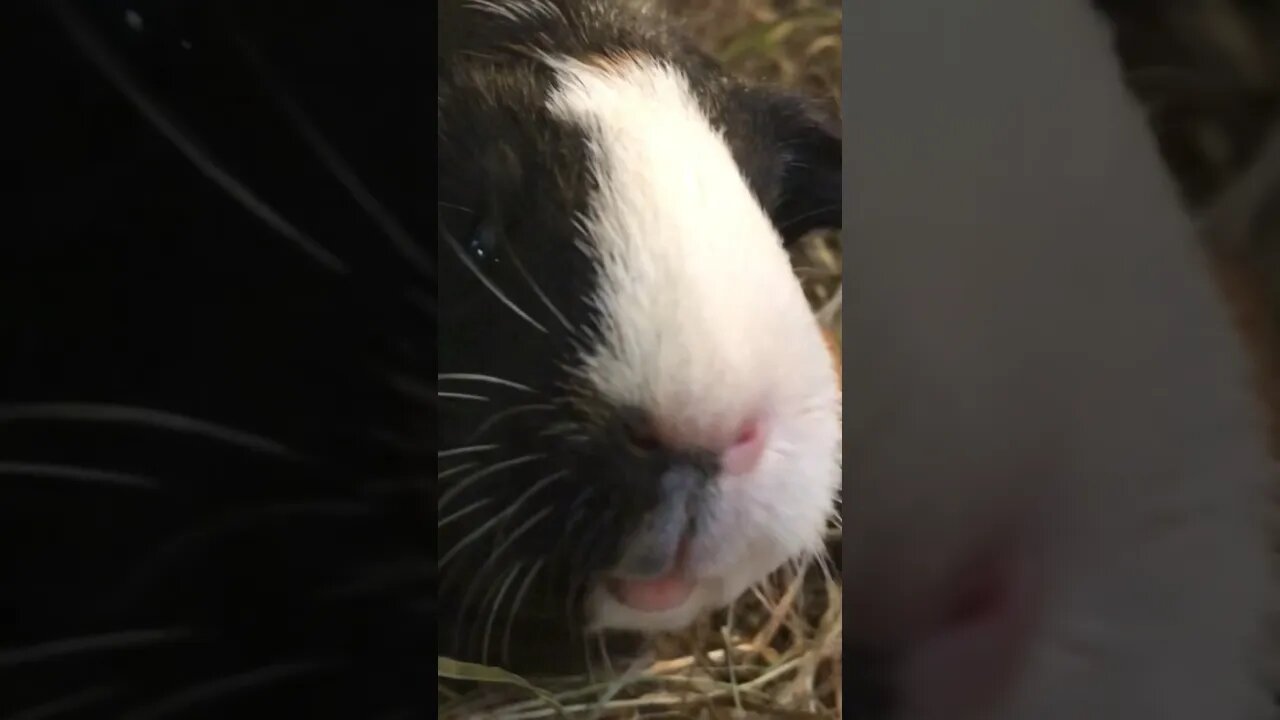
<point x="745" y="452"/>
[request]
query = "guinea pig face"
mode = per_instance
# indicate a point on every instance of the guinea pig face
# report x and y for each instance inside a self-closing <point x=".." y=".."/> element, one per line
<point x="637" y="407"/>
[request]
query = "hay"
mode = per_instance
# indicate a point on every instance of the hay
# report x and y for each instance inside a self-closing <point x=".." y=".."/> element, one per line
<point x="777" y="652"/>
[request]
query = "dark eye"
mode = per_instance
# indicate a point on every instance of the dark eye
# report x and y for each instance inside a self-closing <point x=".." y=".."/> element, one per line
<point x="482" y="244"/>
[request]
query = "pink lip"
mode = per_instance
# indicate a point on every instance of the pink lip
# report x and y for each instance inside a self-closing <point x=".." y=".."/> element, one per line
<point x="659" y="594"/>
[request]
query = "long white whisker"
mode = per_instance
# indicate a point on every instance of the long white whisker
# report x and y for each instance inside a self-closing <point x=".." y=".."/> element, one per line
<point x="499" y="416"/>
<point x="66" y="704"/>
<point x="461" y="396"/>
<point x="515" y="608"/>
<point x="400" y="238"/>
<point x="462" y="255"/>
<point x="464" y="450"/>
<point x="480" y="531"/>
<point x="497" y="553"/>
<point x="454" y="470"/>
<point x="485" y="379"/>
<point x="471" y="479"/>
<point x="538" y="291"/>
<point x="129" y="415"/>
<point x="411" y="386"/>
<point x="197" y="695"/>
<point x="473" y="506"/>
<point x="80" y="474"/>
<point x="151" y="110"/>
<point x="516" y="11"/>
<point x="76" y="646"/>
<point x="487" y="638"/>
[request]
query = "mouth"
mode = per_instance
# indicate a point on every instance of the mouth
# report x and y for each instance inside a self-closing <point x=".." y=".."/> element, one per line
<point x="660" y="593"/>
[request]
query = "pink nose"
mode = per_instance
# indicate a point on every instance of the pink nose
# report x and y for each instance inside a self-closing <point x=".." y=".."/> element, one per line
<point x="739" y="453"/>
<point x="744" y="454"/>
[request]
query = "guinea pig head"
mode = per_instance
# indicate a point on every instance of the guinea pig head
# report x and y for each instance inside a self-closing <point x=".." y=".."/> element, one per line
<point x="639" y="414"/>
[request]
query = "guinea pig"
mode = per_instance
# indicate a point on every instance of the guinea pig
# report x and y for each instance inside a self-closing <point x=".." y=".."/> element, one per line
<point x="1058" y="491"/>
<point x="214" y="272"/>
<point x="639" y="416"/>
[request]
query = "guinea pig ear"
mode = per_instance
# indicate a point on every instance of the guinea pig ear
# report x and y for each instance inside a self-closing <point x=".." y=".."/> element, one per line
<point x="810" y="154"/>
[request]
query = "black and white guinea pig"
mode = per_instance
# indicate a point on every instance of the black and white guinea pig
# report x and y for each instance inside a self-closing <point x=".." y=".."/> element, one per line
<point x="214" y="270"/>
<point x="1059" y="492"/>
<point x="639" y="416"/>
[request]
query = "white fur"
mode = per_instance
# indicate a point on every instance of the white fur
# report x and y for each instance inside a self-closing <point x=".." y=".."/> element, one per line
<point x="1032" y="322"/>
<point x="703" y="322"/>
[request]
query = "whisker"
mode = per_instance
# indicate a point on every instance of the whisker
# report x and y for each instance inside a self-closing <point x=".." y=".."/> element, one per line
<point x="538" y="291"/>
<point x="462" y="255"/>
<point x="66" y="704"/>
<point x="487" y="638"/>
<point x="464" y="450"/>
<point x="494" y="556"/>
<point x="524" y="527"/>
<point x="515" y="507"/>
<point x="521" y="592"/>
<point x="585" y="543"/>
<point x="587" y="655"/>
<point x="577" y="510"/>
<point x="450" y="518"/>
<point x="77" y="474"/>
<point x="502" y="415"/>
<point x="563" y="428"/>
<point x="222" y="687"/>
<point x="71" y="647"/>
<point x="128" y="415"/>
<point x="604" y="654"/>
<point x="412" y="387"/>
<point x="461" y="396"/>
<point x="228" y="523"/>
<point x="470" y="479"/>
<point x="516" y="11"/>
<point x="805" y="216"/>
<point x="455" y="470"/>
<point x="328" y="155"/>
<point x="837" y="521"/>
<point x="115" y="71"/>
<point x="822" y="555"/>
<point x="484" y="378"/>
